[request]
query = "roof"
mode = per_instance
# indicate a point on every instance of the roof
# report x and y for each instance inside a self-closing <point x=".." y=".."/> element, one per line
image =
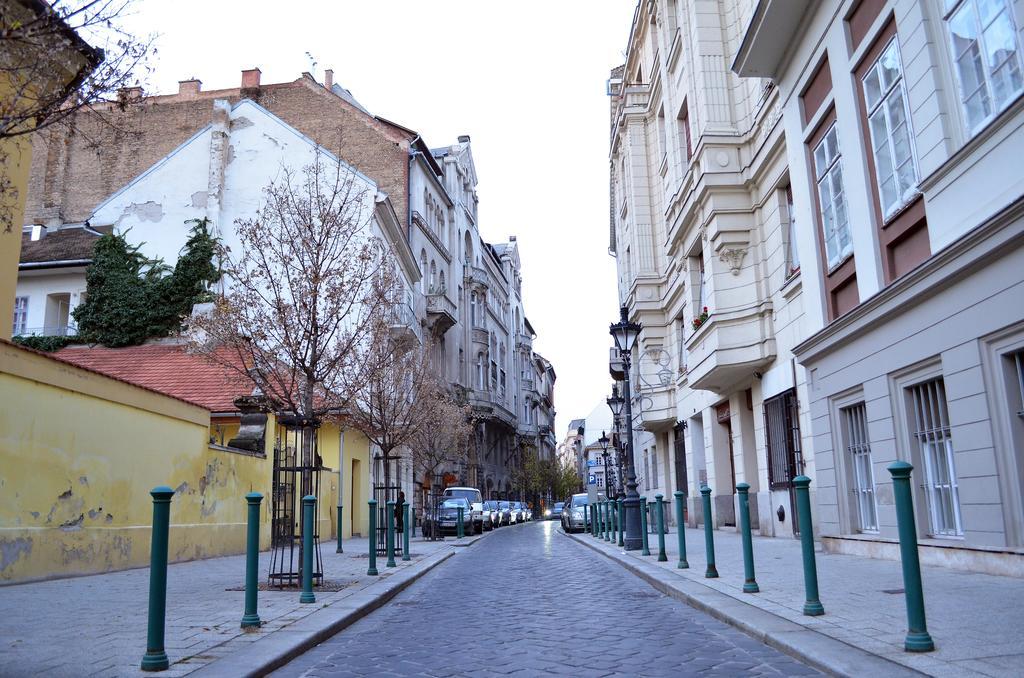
<point x="575" y="425"/>
<point x="166" y="368"/>
<point x="68" y="244"/>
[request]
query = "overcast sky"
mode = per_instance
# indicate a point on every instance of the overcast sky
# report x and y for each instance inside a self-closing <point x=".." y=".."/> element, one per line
<point x="525" y="80"/>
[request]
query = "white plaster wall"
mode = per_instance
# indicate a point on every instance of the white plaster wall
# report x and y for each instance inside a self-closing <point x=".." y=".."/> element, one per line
<point x="37" y="286"/>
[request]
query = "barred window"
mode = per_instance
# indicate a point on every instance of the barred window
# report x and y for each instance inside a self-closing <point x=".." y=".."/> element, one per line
<point x="858" y="450"/>
<point x="935" y="444"/>
<point x="782" y="435"/>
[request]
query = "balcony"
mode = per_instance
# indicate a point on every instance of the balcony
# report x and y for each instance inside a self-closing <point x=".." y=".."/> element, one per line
<point x="524" y="341"/>
<point x="729" y="347"/>
<point x="404" y="325"/>
<point x="480" y="400"/>
<point x="658" y="408"/>
<point x="441" y="312"/>
<point x="616" y="368"/>
<point x="476" y="276"/>
<point x="481" y="335"/>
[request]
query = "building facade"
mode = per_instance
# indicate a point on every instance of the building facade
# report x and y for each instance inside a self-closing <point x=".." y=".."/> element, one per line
<point x="701" y="229"/>
<point x="904" y="123"/>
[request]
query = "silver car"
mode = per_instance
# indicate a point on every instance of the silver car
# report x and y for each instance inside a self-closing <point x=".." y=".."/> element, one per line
<point x="574" y="513"/>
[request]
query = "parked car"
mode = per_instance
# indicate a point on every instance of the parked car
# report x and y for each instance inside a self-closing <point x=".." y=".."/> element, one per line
<point x="521" y="508"/>
<point x="475" y="516"/>
<point x="574" y="513"/>
<point x="492" y="515"/>
<point x="513" y="513"/>
<point x="555" y="512"/>
<point x="448" y="518"/>
<point x="504" y="513"/>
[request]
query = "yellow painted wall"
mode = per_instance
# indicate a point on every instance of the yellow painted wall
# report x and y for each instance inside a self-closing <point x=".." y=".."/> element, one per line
<point x="15" y="164"/>
<point x="79" y="453"/>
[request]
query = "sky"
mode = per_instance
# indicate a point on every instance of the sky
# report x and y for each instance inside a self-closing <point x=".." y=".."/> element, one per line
<point x="525" y="80"/>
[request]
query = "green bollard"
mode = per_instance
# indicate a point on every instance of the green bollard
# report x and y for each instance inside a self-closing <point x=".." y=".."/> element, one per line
<point x="613" y="506"/>
<point x="155" y="658"/>
<point x="390" y="517"/>
<point x="662" y="556"/>
<point x="372" y="570"/>
<point x="709" y="535"/>
<point x="593" y="519"/>
<point x="251" y="619"/>
<point x="749" y="581"/>
<point x="605" y="520"/>
<point x="812" y="606"/>
<point x="621" y="520"/>
<point x="339" y="549"/>
<point x="461" y="529"/>
<point x="918" y="639"/>
<point x="308" y="503"/>
<point x="646" y="550"/>
<point x="681" y="530"/>
<point x="405" y="532"/>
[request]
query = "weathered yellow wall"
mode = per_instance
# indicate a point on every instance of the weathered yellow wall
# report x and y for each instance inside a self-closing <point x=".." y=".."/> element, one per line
<point x="79" y="453"/>
<point x="15" y="164"/>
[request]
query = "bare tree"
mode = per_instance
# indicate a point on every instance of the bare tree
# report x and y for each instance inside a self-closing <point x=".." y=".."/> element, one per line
<point x="444" y="443"/>
<point x="307" y="293"/>
<point x="57" y="59"/>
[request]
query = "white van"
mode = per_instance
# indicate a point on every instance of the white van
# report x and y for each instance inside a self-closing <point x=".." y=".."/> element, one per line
<point x="476" y="501"/>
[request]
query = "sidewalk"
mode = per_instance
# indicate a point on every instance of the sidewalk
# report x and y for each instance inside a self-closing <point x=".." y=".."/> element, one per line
<point x="96" y="625"/>
<point x="976" y="620"/>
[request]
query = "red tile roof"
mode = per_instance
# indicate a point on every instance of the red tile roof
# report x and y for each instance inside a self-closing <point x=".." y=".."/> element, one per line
<point x="165" y="368"/>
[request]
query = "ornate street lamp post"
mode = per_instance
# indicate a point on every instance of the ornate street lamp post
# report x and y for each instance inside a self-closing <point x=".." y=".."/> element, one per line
<point x="603" y="442"/>
<point x="625" y="334"/>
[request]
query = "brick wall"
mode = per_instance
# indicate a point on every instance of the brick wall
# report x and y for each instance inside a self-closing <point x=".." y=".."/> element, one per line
<point x="72" y="174"/>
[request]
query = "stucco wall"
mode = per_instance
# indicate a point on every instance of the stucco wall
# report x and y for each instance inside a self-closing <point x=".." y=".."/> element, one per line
<point x="79" y="453"/>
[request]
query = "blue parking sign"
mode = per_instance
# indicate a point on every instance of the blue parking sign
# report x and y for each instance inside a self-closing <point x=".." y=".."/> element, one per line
<point x="592" y="480"/>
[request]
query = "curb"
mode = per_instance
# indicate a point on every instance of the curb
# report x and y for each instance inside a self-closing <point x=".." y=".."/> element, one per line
<point x="279" y="647"/>
<point x="816" y="649"/>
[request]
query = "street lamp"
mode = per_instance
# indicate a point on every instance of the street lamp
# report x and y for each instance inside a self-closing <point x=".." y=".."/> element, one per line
<point x="603" y="442"/>
<point x="625" y="334"/>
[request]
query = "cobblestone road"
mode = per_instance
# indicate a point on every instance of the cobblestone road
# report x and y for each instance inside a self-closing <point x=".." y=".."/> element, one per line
<point x="527" y="602"/>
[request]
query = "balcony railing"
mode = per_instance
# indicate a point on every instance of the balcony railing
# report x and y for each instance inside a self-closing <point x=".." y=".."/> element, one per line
<point x="404" y="322"/>
<point x="477" y="275"/>
<point x="441" y="311"/>
<point x="48" y="331"/>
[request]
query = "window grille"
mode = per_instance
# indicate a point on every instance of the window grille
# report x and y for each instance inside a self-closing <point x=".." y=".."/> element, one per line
<point x="782" y="428"/>
<point x="828" y="175"/>
<point x="682" y="482"/>
<point x="1018" y="359"/>
<point x="858" y="448"/>
<point x="935" y="442"/>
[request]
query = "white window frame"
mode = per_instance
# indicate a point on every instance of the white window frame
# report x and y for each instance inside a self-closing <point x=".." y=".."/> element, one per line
<point x="833" y="167"/>
<point x="931" y="432"/>
<point x="954" y="7"/>
<point x="792" y="253"/>
<point x="19" y="325"/>
<point x="896" y="88"/>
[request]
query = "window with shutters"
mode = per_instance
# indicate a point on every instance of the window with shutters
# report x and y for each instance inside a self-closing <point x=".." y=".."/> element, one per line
<point x="931" y="432"/>
<point x="782" y="436"/>
<point x="858" y="452"/>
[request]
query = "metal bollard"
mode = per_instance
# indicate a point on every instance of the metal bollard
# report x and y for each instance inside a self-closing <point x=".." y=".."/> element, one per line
<point x="709" y="535"/>
<point x="646" y="551"/>
<point x="372" y="570"/>
<point x="405" y="532"/>
<point x="155" y="658"/>
<point x="662" y="556"/>
<point x="621" y="521"/>
<point x="390" y="518"/>
<point x="251" y="618"/>
<point x="460" y="528"/>
<point x="308" y="516"/>
<point x="918" y="638"/>
<point x="593" y="519"/>
<point x="812" y="606"/>
<point x="340" y="513"/>
<point x="412" y="522"/>
<point x="681" y="530"/>
<point x="749" y="581"/>
<point x="606" y="521"/>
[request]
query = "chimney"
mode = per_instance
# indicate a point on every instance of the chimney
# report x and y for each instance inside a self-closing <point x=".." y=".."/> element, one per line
<point x="38" y="232"/>
<point x="251" y="78"/>
<point x="129" y="94"/>
<point x="511" y="238"/>
<point x="463" y="138"/>
<point x="189" y="88"/>
<point x="328" y="79"/>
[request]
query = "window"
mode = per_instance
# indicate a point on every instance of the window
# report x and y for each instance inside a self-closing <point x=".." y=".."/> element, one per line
<point x="983" y="39"/>
<point x="473" y="312"/>
<point x="433" y="277"/>
<point x="683" y="120"/>
<point x="828" y="175"/>
<point x="782" y="437"/>
<point x="858" y="450"/>
<point x="647" y="470"/>
<point x="935" y="444"/>
<point x="792" y="254"/>
<point x="1018" y="360"/>
<point x="481" y="376"/>
<point x="20" y="316"/>
<point x="655" y="478"/>
<point x="702" y="286"/>
<point x="889" y="121"/>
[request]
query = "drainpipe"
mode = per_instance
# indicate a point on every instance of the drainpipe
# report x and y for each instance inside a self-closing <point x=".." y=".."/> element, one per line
<point x="408" y="188"/>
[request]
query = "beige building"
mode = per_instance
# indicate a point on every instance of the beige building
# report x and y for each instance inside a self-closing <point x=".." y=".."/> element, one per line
<point x="701" y="230"/>
<point x="904" y="121"/>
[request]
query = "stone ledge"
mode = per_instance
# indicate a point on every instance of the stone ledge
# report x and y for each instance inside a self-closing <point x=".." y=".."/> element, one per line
<point x="815" y="649"/>
<point x="1007" y="562"/>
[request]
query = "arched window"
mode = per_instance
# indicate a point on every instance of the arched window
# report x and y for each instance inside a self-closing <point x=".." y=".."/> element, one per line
<point x="472" y="309"/>
<point x="442" y="288"/>
<point x="468" y="252"/>
<point x="423" y="270"/>
<point x="433" y="277"/>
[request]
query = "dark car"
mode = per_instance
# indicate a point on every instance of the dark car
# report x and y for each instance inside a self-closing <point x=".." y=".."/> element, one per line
<point x="447" y="521"/>
<point x="555" y="512"/>
<point x="504" y="513"/>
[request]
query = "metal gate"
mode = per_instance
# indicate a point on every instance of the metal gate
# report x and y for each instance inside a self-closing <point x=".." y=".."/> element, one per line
<point x="386" y="486"/>
<point x="431" y="501"/>
<point x="785" y="459"/>
<point x="296" y="474"/>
